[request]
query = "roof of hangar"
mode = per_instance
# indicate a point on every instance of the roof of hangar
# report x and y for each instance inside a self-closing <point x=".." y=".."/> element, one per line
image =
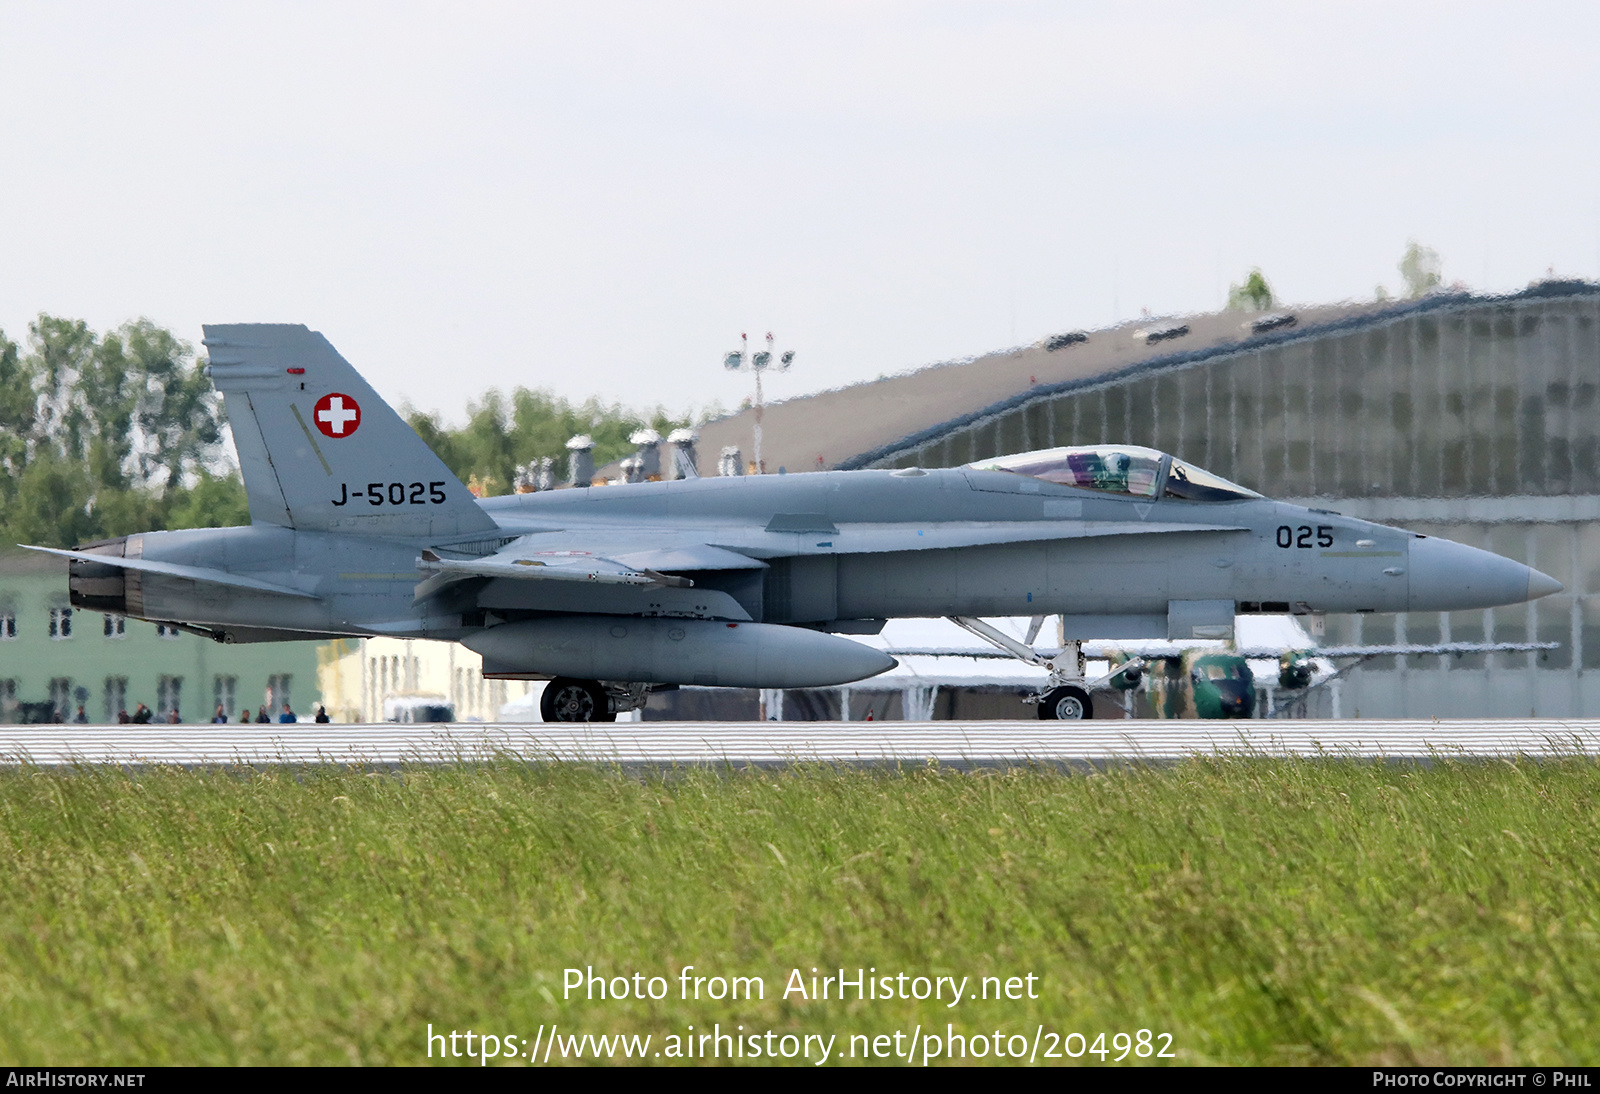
<point x="869" y="423"/>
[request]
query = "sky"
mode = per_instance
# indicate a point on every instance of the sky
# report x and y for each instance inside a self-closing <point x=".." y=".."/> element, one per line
<point x="597" y="198"/>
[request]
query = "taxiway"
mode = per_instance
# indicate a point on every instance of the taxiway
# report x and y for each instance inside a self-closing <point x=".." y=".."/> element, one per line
<point x="668" y="744"/>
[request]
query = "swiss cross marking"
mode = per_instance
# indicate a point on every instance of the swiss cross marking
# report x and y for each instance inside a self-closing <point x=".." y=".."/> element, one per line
<point x="337" y="415"/>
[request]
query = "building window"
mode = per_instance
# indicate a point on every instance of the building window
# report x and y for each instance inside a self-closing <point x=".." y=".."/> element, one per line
<point x="8" y="698"/>
<point x="164" y="631"/>
<point x="60" y="623"/>
<point x="61" y="697"/>
<point x="116" y="696"/>
<point x="167" y="698"/>
<point x="116" y="626"/>
<point x="8" y="624"/>
<point x="278" y="694"/>
<point x="223" y="689"/>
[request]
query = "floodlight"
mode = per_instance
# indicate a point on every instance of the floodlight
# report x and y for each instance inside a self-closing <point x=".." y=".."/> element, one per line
<point x="758" y="362"/>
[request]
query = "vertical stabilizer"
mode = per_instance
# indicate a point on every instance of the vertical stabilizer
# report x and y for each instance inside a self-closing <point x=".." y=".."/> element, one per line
<point x="319" y="450"/>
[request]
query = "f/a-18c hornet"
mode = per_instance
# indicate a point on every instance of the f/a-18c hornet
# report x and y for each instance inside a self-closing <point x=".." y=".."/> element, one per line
<point x="357" y="528"/>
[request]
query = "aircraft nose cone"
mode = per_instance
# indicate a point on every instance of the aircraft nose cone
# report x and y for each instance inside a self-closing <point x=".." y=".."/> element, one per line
<point x="1450" y="577"/>
<point x="1540" y="584"/>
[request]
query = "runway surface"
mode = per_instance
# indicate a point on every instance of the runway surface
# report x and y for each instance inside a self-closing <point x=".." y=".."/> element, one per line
<point x="666" y="744"/>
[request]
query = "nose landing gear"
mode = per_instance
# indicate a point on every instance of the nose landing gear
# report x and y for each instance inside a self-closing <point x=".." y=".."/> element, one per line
<point x="1065" y="696"/>
<point x="1065" y="703"/>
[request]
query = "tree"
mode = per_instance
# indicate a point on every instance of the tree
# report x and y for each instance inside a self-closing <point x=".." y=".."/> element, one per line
<point x="214" y="501"/>
<point x="503" y="433"/>
<point x="52" y="504"/>
<point x="165" y="391"/>
<point x="16" y="420"/>
<point x="103" y="436"/>
<point x="1254" y="295"/>
<point x="1420" y="269"/>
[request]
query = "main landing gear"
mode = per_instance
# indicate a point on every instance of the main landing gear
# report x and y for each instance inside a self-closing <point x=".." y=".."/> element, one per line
<point x="566" y="699"/>
<point x="569" y="700"/>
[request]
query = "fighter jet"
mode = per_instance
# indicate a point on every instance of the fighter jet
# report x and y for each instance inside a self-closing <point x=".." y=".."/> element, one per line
<point x="357" y="528"/>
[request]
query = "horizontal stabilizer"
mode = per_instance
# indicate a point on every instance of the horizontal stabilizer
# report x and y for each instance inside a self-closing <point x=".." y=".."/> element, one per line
<point x="173" y="569"/>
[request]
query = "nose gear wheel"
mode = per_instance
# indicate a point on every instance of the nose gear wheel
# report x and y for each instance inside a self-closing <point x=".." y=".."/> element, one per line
<point x="1066" y="703"/>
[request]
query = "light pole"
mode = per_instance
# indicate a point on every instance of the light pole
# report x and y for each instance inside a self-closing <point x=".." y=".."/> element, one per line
<point x="740" y="360"/>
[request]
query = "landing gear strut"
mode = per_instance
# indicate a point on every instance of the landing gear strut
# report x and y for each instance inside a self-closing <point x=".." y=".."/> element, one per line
<point x="1066" y="694"/>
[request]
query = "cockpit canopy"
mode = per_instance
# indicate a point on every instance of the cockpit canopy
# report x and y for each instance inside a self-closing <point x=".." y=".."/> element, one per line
<point x="1120" y="469"/>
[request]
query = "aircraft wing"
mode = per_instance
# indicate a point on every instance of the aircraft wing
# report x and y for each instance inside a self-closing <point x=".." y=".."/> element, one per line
<point x="605" y="558"/>
<point x="657" y="549"/>
<point x="1095" y="651"/>
<point x="174" y="569"/>
<point x="1437" y="648"/>
<point x="1157" y="650"/>
<point x="538" y="566"/>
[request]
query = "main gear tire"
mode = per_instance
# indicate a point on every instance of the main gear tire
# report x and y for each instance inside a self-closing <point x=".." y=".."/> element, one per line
<point x="569" y="700"/>
<point x="1066" y="703"/>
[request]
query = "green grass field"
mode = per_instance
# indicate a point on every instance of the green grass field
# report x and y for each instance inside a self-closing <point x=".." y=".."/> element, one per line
<point x="1259" y="911"/>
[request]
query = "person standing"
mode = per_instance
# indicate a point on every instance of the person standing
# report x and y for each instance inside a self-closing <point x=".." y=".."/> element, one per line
<point x="287" y="715"/>
<point x="322" y="716"/>
<point x="220" y="718"/>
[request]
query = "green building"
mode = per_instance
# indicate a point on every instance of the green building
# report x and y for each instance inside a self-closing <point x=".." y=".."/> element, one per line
<point x="55" y="659"/>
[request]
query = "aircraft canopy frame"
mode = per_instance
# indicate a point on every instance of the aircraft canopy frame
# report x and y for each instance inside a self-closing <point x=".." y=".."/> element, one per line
<point x="1129" y="470"/>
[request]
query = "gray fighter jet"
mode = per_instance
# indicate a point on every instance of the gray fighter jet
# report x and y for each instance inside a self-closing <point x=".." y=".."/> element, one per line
<point x="357" y="528"/>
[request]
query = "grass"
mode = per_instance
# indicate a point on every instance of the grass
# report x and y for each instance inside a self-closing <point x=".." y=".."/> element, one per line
<point x="1261" y="911"/>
